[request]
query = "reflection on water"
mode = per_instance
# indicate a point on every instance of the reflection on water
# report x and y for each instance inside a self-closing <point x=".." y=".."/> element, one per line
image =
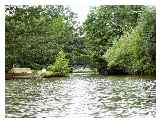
<point x="82" y="95"/>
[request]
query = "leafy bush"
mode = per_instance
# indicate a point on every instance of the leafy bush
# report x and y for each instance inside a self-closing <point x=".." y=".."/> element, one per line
<point x="134" y="50"/>
<point x="60" y="67"/>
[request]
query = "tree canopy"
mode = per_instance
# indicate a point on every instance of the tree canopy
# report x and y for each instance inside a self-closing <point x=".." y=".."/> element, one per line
<point x="136" y="50"/>
<point x="35" y="34"/>
<point x="109" y="29"/>
<point x="112" y="37"/>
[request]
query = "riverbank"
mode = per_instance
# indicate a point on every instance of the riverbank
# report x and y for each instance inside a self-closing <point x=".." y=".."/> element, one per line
<point x="40" y="74"/>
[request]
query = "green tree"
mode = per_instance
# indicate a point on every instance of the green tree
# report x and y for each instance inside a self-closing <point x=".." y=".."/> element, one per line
<point x="35" y="34"/>
<point x="135" y="50"/>
<point x="104" y="26"/>
<point x="61" y="65"/>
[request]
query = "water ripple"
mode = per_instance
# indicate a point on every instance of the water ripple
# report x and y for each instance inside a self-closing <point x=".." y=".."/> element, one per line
<point x="82" y="95"/>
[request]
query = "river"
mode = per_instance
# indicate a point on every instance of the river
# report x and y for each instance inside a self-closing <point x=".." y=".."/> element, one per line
<point x="82" y="95"/>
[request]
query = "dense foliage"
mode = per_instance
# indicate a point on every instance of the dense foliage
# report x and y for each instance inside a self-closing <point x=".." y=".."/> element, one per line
<point x="126" y="33"/>
<point x="136" y="50"/>
<point x="112" y="39"/>
<point x="104" y="26"/>
<point x="35" y="34"/>
<point x="60" y="66"/>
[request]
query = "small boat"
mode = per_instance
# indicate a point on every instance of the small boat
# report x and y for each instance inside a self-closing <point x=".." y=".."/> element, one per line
<point x="19" y="73"/>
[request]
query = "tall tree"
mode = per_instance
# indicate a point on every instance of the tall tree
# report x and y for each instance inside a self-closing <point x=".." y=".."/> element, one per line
<point x="136" y="50"/>
<point x="35" y="34"/>
<point x="105" y="25"/>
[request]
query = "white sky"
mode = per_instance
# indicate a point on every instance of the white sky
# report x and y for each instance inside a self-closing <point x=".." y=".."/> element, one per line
<point x="81" y="10"/>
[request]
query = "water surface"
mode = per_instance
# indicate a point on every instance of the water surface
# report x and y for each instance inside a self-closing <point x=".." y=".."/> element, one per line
<point x="82" y="95"/>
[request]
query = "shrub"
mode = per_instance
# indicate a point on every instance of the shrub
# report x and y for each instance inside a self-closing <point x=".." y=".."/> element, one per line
<point x="134" y="49"/>
<point x="60" y="67"/>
